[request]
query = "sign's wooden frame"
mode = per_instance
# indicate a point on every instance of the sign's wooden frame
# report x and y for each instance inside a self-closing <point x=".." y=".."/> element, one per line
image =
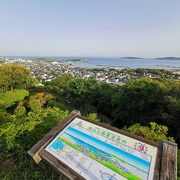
<point x="166" y="160"/>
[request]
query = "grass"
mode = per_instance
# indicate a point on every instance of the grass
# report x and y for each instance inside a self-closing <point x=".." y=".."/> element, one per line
<point x="10" y="97"/>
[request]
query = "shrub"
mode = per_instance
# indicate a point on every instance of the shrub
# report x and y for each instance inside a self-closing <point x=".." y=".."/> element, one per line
<point x="153" y="132"/>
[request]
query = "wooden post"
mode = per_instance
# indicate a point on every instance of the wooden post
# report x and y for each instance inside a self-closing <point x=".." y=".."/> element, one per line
<point x="168" y="169"/>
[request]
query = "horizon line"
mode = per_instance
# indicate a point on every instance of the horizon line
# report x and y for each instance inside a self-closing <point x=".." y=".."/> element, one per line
<point x="46" y="56"/>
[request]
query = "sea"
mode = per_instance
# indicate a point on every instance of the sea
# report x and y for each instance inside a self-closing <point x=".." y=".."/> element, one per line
<point x="111" y="62"/>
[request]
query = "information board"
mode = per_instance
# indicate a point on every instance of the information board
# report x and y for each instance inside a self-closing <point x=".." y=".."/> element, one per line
<point x="95" y="153"/>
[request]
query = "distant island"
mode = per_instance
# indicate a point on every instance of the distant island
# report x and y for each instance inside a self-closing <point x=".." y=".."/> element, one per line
<point x="132" y="58"/>
<point x="173" y="58"/>
<point x="60" y="60"/>
<point x="159" y="58"/>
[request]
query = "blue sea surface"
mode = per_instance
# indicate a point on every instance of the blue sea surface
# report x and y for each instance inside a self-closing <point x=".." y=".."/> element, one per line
<point x="128" y="63"/>
<point x="112" y="62"/>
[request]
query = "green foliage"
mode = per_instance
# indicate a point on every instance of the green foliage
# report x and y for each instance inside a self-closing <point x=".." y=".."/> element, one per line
<point x="24" y="118"/>
<point x="160" y="72"/>
<point x="38" y="100"/>
<point x="18" y="135"/>
<point x="8" y="98"/>
<point x="141" y="101"/>
<point x="60" y="84"/>
<point x="23" y="121"/>
<point x="34" y="104"/>
<point x="82" y="92"/>
<point x="154" y="132"/>
<point x="4" y="117"/>
<point x="88" y="95"/>
<point x="103" y="99"/>
<point x="93" y="116"/>
<point x="43" y="119"/>
<point x="144" y="100"/>
<point x="15" y="76"/>
<point x="25" y="168"/>
<point x="20" y="111"/>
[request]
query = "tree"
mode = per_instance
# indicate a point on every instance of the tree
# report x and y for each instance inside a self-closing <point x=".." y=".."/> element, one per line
<point x="154" y="132"/>
<point x="144" y="100"/>
<point x="15" y="76"/>
<point x="38" y="100"/>
<point x="82" y="93"/>
<point x="93" y="116"/>
<point x="20" y="111"/>
<point x="22" y="132"/>
<point x="61" y="83"/>
<point x="139" y="101"/>
<point x="103" y="99"/>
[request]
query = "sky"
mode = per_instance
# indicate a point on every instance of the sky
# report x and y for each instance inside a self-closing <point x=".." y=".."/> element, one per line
<point x="106" y="28"/>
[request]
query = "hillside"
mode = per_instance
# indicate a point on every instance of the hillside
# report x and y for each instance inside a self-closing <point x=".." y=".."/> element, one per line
<point x="28" y="112"/>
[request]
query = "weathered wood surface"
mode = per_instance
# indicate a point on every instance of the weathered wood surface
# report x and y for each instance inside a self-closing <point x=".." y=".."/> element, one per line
<point x="168" y="170"/>
<point x="62" y="177"/>
<point x="157" y="165"/>
<point x="34" y="151"/>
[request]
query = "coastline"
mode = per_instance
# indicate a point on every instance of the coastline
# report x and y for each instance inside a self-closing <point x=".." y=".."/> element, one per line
<point x="49" y="69"/>
<point x="167" y="63"/>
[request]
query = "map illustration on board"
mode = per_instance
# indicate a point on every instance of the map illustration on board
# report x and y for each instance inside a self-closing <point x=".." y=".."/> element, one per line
<point x="96" y="153"/>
